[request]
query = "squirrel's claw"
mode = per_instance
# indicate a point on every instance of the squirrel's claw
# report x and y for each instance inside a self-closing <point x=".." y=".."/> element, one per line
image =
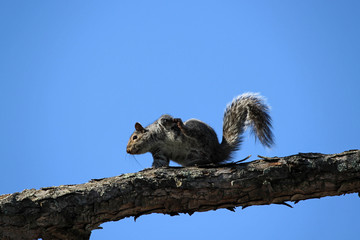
<point x="179" y="123"/>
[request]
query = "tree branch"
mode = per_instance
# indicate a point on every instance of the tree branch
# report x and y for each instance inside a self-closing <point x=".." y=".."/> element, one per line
<point x="73" y="211"/>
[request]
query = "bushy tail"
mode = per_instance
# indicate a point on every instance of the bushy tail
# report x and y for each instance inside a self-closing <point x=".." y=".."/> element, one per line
<point x="246" y="110"/>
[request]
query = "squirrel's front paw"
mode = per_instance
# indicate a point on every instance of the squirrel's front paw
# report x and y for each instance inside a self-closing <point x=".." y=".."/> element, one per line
<point x="179" y="122"/>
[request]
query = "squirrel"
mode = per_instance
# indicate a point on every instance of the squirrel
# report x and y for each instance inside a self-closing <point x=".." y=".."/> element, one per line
<point x="194" y="143"/>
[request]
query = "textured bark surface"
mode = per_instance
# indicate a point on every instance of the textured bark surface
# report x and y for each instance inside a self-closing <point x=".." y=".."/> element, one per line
<point x="72" y="211"/>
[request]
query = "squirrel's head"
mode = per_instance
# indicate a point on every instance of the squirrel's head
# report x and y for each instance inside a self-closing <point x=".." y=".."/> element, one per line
<point x="148" y="139"/>
<point x="139" y="140"/>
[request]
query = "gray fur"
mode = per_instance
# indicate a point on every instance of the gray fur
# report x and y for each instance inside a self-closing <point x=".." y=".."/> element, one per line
<point x="195" y="143"/>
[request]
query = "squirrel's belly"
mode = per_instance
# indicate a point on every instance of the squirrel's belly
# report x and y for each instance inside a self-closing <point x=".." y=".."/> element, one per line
<point x="180" y="157"/>
<point x="190" y="157"/>
<point x="187" y="153"/>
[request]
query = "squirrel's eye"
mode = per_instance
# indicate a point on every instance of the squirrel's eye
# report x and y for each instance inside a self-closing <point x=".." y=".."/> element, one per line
<point x="165" y="121"/>
<point x="134" y="137"/>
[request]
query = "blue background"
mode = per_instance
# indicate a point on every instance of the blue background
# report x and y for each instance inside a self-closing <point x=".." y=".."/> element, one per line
<point x="76" y="75"/>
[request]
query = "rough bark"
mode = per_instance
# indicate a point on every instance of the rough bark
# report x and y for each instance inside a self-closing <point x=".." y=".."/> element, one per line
<point x="72" y="211"/>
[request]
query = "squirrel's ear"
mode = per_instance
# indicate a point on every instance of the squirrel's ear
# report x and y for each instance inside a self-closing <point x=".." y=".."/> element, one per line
<point x="139" y="128"/>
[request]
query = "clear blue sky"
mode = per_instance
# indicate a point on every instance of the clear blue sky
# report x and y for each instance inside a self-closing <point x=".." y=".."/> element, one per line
<point x="76" y="75"/>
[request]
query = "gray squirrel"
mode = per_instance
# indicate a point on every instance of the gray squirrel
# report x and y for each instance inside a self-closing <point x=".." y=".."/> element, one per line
<point x="194" y="143"/>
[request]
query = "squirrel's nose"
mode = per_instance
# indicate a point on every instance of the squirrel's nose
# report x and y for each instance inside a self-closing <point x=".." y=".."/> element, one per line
<point x="130" y="150"/>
